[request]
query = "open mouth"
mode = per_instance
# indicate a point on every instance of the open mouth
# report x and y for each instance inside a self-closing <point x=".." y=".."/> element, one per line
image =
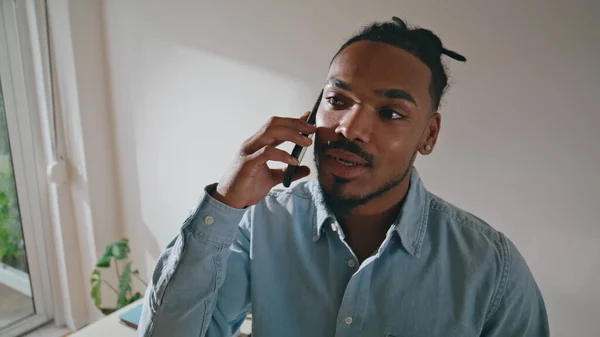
<point x="346" y="162"/>
<point x="345" y="165"/>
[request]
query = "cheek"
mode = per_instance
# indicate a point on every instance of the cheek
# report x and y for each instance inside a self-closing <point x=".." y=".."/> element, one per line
<point x="326" y="125"/>
<point x="325" y="120"/>
<point x="395" y="150"/>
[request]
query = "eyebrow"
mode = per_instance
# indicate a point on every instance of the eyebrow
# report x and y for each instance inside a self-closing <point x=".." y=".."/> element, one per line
<point x="397" y="94"/>
<point x="339" y="84"/>
<point x="388" y="93"/>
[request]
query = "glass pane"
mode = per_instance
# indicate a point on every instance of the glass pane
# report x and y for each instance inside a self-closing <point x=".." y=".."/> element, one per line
<point x="15" y="290"/>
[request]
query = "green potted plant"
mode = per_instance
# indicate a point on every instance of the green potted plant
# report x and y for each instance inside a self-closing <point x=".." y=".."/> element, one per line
<point x="115" y="252"/>
<point x="12" y="248"/>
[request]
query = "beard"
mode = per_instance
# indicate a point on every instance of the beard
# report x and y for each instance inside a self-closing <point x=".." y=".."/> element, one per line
<point x="341" y="205"/>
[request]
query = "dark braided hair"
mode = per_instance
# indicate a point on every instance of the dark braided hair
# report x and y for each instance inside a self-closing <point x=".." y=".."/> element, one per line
<point x="422" y="43"/>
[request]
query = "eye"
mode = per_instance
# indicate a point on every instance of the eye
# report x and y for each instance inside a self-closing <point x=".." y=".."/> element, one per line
<point x="391" y="114"/>
<point x="335" y="101"/>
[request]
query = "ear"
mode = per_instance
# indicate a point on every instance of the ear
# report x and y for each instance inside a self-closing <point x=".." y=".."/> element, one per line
<point x="430" y="134"/>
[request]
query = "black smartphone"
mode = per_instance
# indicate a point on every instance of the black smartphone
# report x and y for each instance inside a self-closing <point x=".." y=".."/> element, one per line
<point x="298" y="151"/>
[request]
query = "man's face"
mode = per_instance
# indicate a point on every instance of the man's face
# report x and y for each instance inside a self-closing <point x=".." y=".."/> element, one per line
<point x="374" y="116"/>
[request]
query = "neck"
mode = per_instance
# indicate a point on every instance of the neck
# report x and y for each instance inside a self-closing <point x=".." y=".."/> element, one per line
<point x="365" y="226"/>
<point x="379" y="212"/>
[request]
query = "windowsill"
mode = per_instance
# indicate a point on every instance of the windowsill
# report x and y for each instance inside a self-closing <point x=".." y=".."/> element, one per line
<point x="15" y="279"/>
<point x="48" y="330"/>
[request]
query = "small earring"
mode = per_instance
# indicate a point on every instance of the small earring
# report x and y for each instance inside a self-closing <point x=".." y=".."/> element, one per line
<point x="428" y="147"/>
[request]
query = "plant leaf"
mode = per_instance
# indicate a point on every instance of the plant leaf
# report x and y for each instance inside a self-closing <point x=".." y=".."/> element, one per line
<point x="96" y="282"/>
<point x="120" y="249"/>
<point x="4" y="206"/>
<point x="134" y="298"/>
<point x="124" y="285"/>
<point x="104" y="261"/>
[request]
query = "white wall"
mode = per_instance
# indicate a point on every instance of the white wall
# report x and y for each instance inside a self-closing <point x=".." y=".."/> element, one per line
<point x="519" y="146"/>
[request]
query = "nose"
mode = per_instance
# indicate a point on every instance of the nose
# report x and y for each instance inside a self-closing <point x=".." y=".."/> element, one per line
<point x="356" y="124"/>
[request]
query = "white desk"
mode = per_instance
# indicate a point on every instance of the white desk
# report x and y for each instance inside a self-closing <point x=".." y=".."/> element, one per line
<point x="111" y="326"/>
<point x="108" y="326"/>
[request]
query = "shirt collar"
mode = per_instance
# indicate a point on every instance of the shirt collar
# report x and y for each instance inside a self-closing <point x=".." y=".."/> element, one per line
<point x="410" y="224"/>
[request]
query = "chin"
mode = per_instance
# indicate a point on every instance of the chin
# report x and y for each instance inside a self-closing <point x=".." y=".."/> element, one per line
<point x="349" y="195"/>
<point x="344" y="189"/>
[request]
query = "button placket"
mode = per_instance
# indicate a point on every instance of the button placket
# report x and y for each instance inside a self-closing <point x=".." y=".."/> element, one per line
<point x="350" y="315"/>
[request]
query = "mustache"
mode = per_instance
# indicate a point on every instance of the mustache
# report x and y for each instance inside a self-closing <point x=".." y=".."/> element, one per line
<point x="346" y="145"/>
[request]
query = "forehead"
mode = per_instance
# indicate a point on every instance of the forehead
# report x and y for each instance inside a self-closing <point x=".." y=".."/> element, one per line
<point x="369" y="66"/>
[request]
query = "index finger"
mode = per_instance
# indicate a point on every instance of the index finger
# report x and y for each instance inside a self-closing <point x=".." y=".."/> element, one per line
<point x="296" y="124"/>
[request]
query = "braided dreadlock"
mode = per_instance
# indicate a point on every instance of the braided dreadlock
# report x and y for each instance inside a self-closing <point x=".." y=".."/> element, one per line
<point x="422" y="43"/>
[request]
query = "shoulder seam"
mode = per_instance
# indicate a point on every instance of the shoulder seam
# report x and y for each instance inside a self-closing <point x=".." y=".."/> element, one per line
<point x="488" y="233"/>
<point x="503" y="279"/>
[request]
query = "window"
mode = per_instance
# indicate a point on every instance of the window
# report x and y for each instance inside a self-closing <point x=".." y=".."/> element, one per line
<point x="15" y="287"/>
<point x="25" y="287"/>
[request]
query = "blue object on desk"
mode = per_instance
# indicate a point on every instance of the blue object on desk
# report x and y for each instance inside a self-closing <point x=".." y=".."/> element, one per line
<point x="131" y="317"/>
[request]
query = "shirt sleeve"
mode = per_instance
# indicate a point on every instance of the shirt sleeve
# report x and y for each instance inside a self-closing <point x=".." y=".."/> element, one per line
<point x="519" y="309"/>
<point x="185" y="296"/>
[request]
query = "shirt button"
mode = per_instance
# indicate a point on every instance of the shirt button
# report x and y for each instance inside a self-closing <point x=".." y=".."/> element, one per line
<point x="333" y="227"/>
<point x="351" y="264"/>
<point x="209" y="220"/>
<point x="348" y="320"/>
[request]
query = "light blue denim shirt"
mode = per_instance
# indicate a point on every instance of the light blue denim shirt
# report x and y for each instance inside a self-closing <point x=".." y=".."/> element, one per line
<point x="439" y="272"/>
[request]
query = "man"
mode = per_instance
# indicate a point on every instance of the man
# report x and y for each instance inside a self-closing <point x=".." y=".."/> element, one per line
<point x="365" y="250"/>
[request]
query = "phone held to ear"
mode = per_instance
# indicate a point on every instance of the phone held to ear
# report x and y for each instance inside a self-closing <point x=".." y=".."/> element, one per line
<point x="298" y="151"/>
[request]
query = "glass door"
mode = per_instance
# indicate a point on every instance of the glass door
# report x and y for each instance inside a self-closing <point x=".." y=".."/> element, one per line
<point x="25" y="288"/>
<point x="15" y="288"/>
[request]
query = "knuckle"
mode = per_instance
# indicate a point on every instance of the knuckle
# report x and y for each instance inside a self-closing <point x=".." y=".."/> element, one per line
<point x="273" y="153"/>
<point x="248" y="142"/>
<point x="261" y="132"/>
<point x="273" y="120"/>
<point x="266" y="131"/>
<point x="264" y="150"/>
<point x="244" y="147"/>
<point x="269" y="150"/>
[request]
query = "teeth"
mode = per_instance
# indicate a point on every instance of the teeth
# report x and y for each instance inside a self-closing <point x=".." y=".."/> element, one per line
<point x="345" y="162"/>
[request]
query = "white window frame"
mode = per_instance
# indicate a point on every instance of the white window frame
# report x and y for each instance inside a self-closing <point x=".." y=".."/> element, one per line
<point x="18" y="23"/>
